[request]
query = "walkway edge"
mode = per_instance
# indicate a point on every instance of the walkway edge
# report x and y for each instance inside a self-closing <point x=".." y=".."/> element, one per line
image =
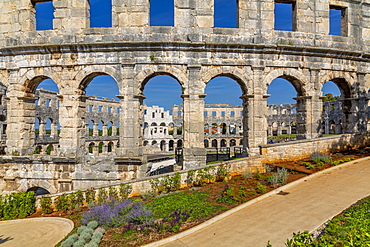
<point x="253" y="201"/>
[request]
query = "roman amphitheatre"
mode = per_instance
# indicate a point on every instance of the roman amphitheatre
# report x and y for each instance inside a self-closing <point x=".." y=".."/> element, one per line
<point x="193" y="52"/>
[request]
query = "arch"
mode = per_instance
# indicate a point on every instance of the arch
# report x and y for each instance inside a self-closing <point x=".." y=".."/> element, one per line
<point x="342" y="79"/>
<point x="100" y="147"/>
<point x="91" y="128"/>
<point x="149" y="72"/>
<point x="38" y="190"/>
<point x="179" y="143"/>
<point x="214" y="143"/>
<point x="110" y="128"/>
<point x="100" y="128"/>
<point x="223" y="143"/>
<point x="237" y="74"/>
<point x="87" y="74"/>
<point x="32" y="78"/>
<point x="49" y="149"/>
<point x="206" y="143"/>
<point x="163" y="145"/>
<point x="171" y="145"/>
<point x="295" y="77"/>
<point x="110" y="147"/>
<point x="232" y="142"/>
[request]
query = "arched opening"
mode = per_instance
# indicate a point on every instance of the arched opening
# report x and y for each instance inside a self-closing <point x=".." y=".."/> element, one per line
<point x="157" y="110"/>
<point x="110" y="126"/>
<point x="206" y="143"/>
<point x="282" y="103"/>
<point x="214" y="143"/>
<point x="91" y="147"/>
<point x="100" y="147"/>
<point x="91" y="128"/>
<point x="39" y="191"/>
<point x="46" y="112"/>
<point x="48" y="129"/>
<point x="171" y="145"/>
<point x="336" y="109"/>
<point x="49" y="149"/>
<point x="224" y="105"/>
<point x="179" y="143"/>
<point x="232" y="142"/>
<point x="100" y="128"/>
<point x="101" y="107"/>
<point x="37" y="127"/>
<point x="110" y="147"/>
<point x="223" y="143"/>
<point x="163" y="146"/>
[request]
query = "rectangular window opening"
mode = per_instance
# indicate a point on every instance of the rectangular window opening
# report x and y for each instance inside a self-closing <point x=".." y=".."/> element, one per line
<point x="229" y="20"/>
<point x="162" y="13"/>
<point x="338" y="21"/>
<point x="100" y="108"/>
<point x="44" y="15"/>
<point x="222" y="114"/>
<point x="285" y="15"/>
<point x="205" y="114"/>
<point x="100" y="13"/>
<point x="232" y="114"/>
<point x="213" y="114"/>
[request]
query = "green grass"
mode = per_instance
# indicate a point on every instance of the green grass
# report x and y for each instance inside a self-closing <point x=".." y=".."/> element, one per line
<point x="292" y="136"/>
<point x="350" y="228"/>
<point x="184" y="201"/>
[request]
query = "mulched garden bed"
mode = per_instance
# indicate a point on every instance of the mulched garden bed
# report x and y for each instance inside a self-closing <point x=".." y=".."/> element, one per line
<point x="233" y="192"/>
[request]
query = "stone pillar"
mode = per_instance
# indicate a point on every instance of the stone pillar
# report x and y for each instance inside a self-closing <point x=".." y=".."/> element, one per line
<point x="54" y="129"/>
<point x="130" y="129"/>
<point x="114" y="130"/>
<point x="71" y="15"/>
<point x="20" y="124"/>
<point x="257" y="16"/>
<point x="194" y="13"/>
<point x="193" y="126"/>
<point x="96" y="129"/>
<point x="309" y="116"/>
<point x="254" y="122"/>
<point x="105" y="129"/>
<point x="312" y="16"/>
<point x="42" y="129"/>
<point x="130" y="13"/>
<point x="279" y="132"/>
<point x="72" y="122"/>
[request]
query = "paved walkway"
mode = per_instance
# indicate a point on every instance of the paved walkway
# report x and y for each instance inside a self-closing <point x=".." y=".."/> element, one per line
<point x="309" y="204"/>
<point x="34" y="232"/>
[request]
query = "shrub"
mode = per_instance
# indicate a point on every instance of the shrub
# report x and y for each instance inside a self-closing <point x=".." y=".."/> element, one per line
<point x="261" y="189"/>
<point x="247" y="175"/>
<point x="320" y="157"/>
<point x="92" y="224"/>
<point x="125" y="190"/>
<point x="46" y="205"/>
<point x="114" y="214"/>
<point x="17" y="205"/>
<point x="69" y="241"/>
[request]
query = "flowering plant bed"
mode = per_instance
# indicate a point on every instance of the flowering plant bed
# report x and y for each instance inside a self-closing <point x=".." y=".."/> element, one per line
<point x="168" y="210"/>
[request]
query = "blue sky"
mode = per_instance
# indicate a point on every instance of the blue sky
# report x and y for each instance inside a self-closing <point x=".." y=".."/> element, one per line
<point x="164" y="90"/>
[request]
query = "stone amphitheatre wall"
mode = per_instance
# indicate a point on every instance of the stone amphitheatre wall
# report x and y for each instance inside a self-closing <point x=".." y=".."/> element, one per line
<point x="193" y="52"/>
